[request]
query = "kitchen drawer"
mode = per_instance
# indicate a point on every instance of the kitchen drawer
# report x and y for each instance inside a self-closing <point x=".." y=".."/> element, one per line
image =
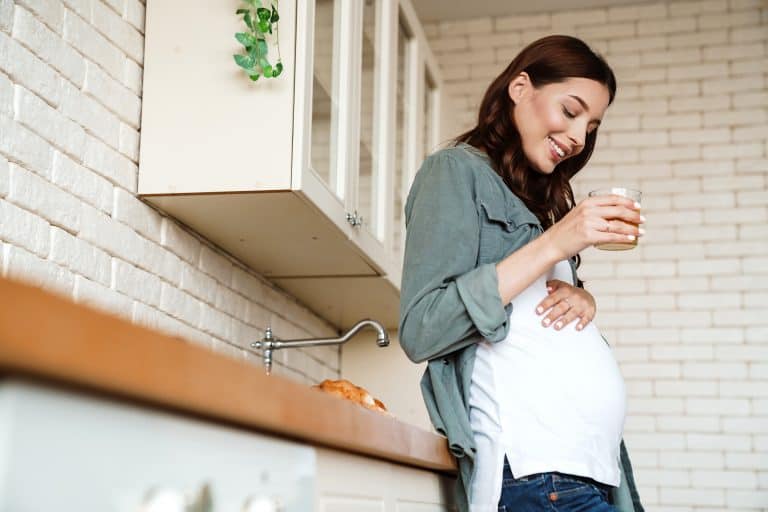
<point x="351" y="483"/>
<point x="66" y="451"/>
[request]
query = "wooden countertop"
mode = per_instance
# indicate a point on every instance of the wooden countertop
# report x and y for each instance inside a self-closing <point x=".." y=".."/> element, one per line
<point x="47" y="336"/>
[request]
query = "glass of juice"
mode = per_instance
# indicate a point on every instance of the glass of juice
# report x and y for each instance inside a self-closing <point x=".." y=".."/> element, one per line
<point x="633" y="194"/>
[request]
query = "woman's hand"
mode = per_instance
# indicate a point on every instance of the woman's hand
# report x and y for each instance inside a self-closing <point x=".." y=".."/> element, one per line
<point x="564" y="304"/>
<point x="596" y="220"/>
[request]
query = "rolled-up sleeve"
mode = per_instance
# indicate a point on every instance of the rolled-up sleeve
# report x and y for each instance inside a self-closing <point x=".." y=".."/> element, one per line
<point x="446" y="298"/>
<point x="479" y="292"/>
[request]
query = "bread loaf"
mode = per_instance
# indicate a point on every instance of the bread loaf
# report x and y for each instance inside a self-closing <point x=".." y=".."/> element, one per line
<point x="345" y="389"/>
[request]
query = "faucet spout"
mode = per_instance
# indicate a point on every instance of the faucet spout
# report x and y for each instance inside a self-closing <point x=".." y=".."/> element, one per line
<point x="269" y="343"/>
<point x="382" y="338"/>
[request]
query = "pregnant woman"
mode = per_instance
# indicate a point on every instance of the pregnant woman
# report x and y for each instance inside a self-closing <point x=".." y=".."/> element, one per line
<point x="519" y="379"/>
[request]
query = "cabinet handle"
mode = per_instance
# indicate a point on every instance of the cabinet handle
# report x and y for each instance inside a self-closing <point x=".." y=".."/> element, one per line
<point x="263" y="504"/>
<point x="355" y="219"/>
<point x="201" y="501"/>
<point x="163" y="500"/>
<point x="171" y="500"/>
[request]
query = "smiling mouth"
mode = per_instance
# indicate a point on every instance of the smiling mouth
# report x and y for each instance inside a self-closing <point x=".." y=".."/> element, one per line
<point x="557" y="149"/>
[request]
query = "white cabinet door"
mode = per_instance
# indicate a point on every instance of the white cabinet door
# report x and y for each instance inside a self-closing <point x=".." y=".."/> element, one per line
<point x="369" y="135"/>
<point x="342" y="504"/>
<point x="66" y="451"/>
<point x="351" y="483"/>
<point x="405" y="124"/>
<point x="373" y="111"/>
<point x="205" y="127"/>
<point x="325" y="86"/>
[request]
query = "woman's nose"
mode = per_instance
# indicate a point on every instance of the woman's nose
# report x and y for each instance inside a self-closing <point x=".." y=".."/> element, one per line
<point x="577" y="134"/>
<point x="577" y="141"/>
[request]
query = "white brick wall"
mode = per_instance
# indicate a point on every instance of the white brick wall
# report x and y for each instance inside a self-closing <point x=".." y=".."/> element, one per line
<point x="685" y="312"/>
<point x="70" y="221"/>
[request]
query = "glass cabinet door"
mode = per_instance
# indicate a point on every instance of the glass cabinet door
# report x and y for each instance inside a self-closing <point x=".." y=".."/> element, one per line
<point x="417" y="120"/>
<point x="374" y="117"/>
<point x="406" y="53"/>
<point x="368" y="172"/>
<point x="430" y="116"/>
<point x="325" y="96"/>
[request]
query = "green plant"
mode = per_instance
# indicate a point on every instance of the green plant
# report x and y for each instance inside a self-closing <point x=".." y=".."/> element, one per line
<point x="261" y="23"/>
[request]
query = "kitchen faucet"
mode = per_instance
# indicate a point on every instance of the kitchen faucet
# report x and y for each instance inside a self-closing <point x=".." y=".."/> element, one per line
<point x="270" y="343"/>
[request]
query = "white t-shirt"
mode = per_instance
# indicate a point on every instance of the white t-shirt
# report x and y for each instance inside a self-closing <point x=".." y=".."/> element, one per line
<point x="549" y="400"/>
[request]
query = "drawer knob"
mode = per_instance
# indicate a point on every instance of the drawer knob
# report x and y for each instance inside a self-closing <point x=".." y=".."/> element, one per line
<point x="263" y="504"/>
<point x="163" y="500"/>
<point x="171" y="500"/>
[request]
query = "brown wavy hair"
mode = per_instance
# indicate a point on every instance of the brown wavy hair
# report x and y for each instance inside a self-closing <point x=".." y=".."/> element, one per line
<point x="551" y="59"/>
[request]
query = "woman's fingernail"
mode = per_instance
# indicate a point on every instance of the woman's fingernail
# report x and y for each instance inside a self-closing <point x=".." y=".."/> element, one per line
<point x="547" y="321"/>
<point x="637" y="205"/>
<point x="641" y="230"/>
<point x="631" y="237"/>
<point x="642" y="218"/>
<point x="578" y="327"/>
<point x="539" y="309"/>
<point x="558" y="325"/>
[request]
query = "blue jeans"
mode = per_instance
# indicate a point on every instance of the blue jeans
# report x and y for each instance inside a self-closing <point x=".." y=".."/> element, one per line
<point x="553" y="492"/>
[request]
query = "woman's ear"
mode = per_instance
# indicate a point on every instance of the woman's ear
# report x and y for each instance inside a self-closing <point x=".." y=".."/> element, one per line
<point x="518" y="87"/>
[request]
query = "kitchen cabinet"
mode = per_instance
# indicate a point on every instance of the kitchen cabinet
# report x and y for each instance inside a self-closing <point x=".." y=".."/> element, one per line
<point x="61" y="450"/>
<point x="351" y="483"/>
<point x="112" y="456"/>
<point x="302" y="177"/>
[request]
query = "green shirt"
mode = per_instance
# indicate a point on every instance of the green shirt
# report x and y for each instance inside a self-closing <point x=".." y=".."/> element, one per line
<point x="462" y="219"/>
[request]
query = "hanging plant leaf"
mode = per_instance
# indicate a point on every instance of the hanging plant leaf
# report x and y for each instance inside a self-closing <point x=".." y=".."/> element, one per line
<point x="264" y="23"/>
<point x="244" y="61"/>
<point x="263" y="14"/>
<point x="245" y="39"/>
<point x="261" y="23"/>
<point x="263" y="49"/>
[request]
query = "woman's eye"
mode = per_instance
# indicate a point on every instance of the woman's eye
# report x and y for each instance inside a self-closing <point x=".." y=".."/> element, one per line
<point x="568" y="114"/>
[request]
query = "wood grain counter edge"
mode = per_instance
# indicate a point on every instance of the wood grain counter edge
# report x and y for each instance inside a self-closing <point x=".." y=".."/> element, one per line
<point x="48" y="336"/>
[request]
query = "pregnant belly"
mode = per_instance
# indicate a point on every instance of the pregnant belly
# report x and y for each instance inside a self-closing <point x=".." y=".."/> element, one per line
<point x="565" y="370"/>
<point x="562" y="370"/>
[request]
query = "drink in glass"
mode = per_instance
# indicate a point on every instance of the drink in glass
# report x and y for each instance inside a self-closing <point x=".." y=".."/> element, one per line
<point x="624" y="192"/>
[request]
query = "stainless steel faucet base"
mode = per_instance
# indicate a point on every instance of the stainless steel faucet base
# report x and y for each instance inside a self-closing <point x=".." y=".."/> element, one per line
<point x="269" y="343"/>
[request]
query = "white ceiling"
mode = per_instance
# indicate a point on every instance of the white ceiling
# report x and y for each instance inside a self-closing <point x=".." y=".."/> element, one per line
<point x="442" y="10"/>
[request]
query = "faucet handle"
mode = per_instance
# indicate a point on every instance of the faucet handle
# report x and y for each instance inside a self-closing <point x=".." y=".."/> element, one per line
<point x="267" y="346"/>
<point x="264" y="342"/>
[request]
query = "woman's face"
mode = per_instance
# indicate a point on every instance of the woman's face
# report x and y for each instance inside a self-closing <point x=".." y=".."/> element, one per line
<point x="554" y="119"/>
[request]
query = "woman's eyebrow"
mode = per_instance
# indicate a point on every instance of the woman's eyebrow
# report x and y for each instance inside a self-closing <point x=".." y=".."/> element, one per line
<point x="586" y="107"/>
<point x="583" y="103"/>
